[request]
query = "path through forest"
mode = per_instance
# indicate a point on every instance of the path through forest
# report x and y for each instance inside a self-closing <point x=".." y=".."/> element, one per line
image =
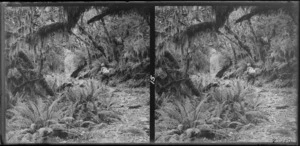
<point x="280" y="105"/>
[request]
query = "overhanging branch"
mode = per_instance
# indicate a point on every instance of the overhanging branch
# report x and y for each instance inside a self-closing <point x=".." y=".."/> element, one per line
<point x="95" y="44"/>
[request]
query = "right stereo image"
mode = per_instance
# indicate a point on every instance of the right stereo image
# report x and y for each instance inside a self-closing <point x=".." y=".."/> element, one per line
<point x="226" y="73"/>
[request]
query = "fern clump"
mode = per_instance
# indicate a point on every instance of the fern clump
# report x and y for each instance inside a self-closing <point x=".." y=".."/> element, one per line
<point x="187" y="113"/>
<point x="87" y="102"/>
<point x="237" y="105"/>
<point x="233" y="106"/>
<point x="38" y="112"/>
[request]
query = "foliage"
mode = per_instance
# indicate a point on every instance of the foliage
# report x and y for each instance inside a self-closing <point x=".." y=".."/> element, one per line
<point x="251" y="41"/>
<point x="202" y="80"/>
<point x="43" y="43"/>
<point x="233" y="107"/>
<point x="187" y="113"/>
<point x="89" y="102"/>
<point x="120" y="10"/>
<point x="267" y="34"/>
<point x="259" y="10"/>
<point x="38" y="112"/>
<point x="52" y="50"/>
<point x="234" y="103"/>
<point x="80" y="97"/>
<point x="177" y="32"/>
<point x="125" y="40"/>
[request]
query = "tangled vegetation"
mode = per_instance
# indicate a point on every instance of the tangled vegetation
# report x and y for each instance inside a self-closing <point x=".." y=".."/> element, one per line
<point x="58" y="92"/>
<point x="199" y="97"/>
<point x="55" y="85"/>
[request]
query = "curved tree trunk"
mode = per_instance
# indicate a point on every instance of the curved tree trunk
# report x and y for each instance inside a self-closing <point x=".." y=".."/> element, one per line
<point x="179" y="73"/>
<point x="39" y="78"/>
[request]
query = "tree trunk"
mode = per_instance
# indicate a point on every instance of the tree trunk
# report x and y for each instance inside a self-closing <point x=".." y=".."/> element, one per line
<point x="45" y="85"/>
<point x="190" y="84"/>
<point x="89" y="58"/>
<point x="179" y="73"/>
<point x="42" y="80"/>
<point x="240" y="43"/>
<point x="234" y="57"/>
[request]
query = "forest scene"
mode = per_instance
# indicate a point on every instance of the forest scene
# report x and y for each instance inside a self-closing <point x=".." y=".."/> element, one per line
<point x="77" y="74"/>
<point x="226" y="74"/>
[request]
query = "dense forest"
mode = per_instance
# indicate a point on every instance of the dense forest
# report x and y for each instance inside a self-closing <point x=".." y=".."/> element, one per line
<point x="80" y="74"/>
<point x="77" y="74"/>
<point x="226" y="73"/>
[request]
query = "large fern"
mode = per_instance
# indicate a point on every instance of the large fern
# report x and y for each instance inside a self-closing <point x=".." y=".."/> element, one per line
<point x="39" y="112"/>
<point x="237" y="104"/>
<point x="92" y="102"/>
<point x="186" y="113"/>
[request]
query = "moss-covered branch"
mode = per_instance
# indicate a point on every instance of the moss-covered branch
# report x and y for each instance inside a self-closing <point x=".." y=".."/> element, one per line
<point x="120" y="10"/>
<point x="222" y="14"/>
<point x="73" y="15"/>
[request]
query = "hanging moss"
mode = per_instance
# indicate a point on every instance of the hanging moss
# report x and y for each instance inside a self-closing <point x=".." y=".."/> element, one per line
<point x="222" y="14"/>
<point x="73" y="15"/>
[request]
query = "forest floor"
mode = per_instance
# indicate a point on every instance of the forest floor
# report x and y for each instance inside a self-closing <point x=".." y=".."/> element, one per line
<point x="280" y="105"/>
<point x="132" y="104"/>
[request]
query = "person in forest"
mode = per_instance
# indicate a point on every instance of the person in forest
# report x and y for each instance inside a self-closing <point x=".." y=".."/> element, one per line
<point x="250" y="73"/>
<point x="105" y="73"/>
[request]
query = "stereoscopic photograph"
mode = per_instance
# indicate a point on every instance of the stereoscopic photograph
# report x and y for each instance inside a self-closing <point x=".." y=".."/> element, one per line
<point x="226" y="73"/>
<point x="77" y="74"/>
<point x="149" y="72"/>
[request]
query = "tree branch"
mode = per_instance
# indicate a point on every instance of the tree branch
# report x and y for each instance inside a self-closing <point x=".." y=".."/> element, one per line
<point x="95" y="44"/>
<point x="252" y="30"/>
<point x="173" y="82"/>
<point x="25" y="83"/>
<point x="242" y="45"/>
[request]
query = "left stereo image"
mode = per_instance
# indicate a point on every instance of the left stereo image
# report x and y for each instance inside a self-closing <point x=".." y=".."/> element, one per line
<point x="76" y="74"/>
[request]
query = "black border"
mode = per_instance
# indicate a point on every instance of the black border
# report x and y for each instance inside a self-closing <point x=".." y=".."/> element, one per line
<point x="148" y="3"/>
<point x="2" y="77"/>
<point x="152" y="74"/>
<point x="151" y="52"/>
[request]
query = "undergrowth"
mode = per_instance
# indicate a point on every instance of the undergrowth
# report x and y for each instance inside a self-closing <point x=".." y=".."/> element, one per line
<point x="82" y="106"/>
<point x="235" y="107"/>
